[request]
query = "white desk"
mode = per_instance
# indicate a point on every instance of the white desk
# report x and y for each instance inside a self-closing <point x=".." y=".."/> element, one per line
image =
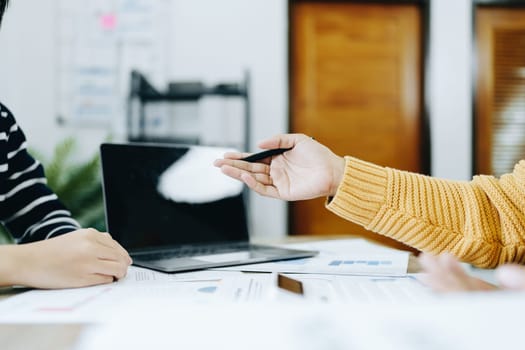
<point x="63" y="336"/>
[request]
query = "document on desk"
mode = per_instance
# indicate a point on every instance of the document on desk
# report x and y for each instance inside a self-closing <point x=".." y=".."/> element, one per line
<point x="95" y="304"/>
<point x="394" y="264"/>
<point x="339" y="257"/>
<point x="342" y="246"/>
<point x="362" y="289"/>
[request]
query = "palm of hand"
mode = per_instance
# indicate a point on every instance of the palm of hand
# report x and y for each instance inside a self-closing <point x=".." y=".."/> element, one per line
<point x="302" y="174"/>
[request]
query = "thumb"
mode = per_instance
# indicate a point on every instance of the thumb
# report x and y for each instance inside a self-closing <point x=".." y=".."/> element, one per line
<point x="283" y="141"/>
<point x="511" y="276"/>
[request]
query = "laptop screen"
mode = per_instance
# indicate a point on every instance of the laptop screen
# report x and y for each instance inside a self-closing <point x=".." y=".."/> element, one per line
<point x="163" y="195"/>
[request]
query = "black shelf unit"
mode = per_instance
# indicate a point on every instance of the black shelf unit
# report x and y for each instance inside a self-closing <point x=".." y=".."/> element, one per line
<point x="143" y="93"/>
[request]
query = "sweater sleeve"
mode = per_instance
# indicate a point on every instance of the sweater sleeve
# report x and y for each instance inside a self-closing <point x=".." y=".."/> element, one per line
<point x="481" y="222"/>
<point x="28" y="208"/>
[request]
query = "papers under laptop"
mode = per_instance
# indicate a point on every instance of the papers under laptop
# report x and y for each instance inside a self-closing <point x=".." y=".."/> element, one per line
<point x="174" y="211"/>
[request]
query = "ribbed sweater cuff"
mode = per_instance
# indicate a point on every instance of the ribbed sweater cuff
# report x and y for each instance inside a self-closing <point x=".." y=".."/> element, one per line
<point x="361" y="193"/>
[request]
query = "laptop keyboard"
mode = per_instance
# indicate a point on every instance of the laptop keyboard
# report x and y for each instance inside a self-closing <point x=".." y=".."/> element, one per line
<point x="191" y="251"/>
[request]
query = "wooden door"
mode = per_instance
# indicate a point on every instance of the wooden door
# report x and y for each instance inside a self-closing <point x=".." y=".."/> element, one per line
<point x="500" y="89"/>
<point x="356" y="86"/>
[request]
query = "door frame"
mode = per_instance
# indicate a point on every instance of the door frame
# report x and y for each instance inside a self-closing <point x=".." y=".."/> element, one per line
<point x="475" y="71"/>
<point x="424" y="5"/>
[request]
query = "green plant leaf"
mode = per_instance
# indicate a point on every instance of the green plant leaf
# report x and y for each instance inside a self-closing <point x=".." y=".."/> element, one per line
<point x="78" y="180"/>
<point x="57" y="169"/>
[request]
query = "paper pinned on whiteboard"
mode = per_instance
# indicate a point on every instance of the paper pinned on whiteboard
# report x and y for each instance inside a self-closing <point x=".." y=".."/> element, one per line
<point x="93" y="73"/>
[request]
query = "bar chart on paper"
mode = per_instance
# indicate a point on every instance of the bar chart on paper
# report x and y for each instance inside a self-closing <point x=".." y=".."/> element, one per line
<point x="360" y="262"/>
<point x="385" y="264"/>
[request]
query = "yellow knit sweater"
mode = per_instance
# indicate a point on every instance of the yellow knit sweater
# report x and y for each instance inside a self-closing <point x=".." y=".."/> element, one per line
<point x="481" y="222"/>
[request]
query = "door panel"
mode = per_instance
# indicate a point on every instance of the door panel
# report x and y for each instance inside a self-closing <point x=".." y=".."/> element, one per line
<point x="500" y="89"/>
<point x="356" y="86"/>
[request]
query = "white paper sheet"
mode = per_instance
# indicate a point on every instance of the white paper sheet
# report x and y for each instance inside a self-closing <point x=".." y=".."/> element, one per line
<point x="385" y="264"/>
<point x="470" y="321"/>
<point x="96" y="304"/>
<point x="341" y="256"/>
<point x="342" y="246"/>
<point x="362" y="289"/>
<point x="138" y="275"/>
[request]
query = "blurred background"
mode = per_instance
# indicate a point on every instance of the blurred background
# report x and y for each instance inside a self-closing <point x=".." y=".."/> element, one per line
<point x="433" y="86"/>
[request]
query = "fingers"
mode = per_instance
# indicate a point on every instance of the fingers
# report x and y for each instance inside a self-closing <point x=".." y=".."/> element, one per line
<point x="261" y="188"/>
<point x="443" y="262"/>
<point x="116" y="251"/>
<point x="278" y="141"/>
<point x="236" y="155"/>
<point x="450" y="263"/>
<point x="435" y="277"/>
<point x="232" y="172"/>
<point x="263" y="179"/>
<point x="445" y="274"/>
<point x="283" y="141"/>
<point x="106" y="253"/>
<point x="113" y="260"/>
<point x="122" y="252"/>
<point x="257" y="182"/>
<point x="511" y="276"/>
<point x="91" y="279"/>
<point x="111" y="269"/>
<point x="242" y="165"/>
<point x="235" y="172"/>
<point x="96" y="278"/>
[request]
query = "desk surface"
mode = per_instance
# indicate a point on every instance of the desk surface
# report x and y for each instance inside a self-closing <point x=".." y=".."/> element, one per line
<point x="64" y="336"/>
<point x="39" y="336"/>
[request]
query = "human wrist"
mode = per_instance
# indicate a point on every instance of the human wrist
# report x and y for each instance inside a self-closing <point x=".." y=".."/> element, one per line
<point x="11" y="264"/>
<point x="338" y="170"/>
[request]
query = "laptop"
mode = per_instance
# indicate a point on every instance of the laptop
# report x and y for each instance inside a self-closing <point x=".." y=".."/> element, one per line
<point x="173" y="211"/>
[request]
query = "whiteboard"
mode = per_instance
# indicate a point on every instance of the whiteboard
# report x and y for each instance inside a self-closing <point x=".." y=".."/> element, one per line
<point x="98" y="43"/>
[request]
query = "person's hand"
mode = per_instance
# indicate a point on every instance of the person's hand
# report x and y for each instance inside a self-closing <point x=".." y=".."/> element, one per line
<point x="80" y="258"/>
<point x="445" y="274"/>
<point x="308" y="170"/>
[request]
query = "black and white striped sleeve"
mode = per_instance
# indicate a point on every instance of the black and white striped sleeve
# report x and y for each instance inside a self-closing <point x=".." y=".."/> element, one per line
<point x="28" y="208"/>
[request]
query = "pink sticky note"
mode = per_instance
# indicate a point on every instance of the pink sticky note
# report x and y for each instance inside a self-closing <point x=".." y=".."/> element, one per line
<point x="108" y="21"/>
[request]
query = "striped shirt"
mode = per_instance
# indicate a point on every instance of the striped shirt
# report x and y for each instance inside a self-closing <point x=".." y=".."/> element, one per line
<point x="28" y="208"/>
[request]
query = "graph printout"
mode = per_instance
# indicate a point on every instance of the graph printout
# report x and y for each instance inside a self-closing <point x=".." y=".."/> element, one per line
<point x="384" y="264"/>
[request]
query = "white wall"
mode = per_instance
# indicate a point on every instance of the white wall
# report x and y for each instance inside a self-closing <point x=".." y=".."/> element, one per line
<point x="214" y="40"/>
<point x="450" y="91"/>
<point x="28" y="79"/>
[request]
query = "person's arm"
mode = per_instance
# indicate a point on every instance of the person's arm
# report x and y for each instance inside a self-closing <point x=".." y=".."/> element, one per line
<point x="34" y="216"/>
<point x="481" y="222"/>
<point x="28" y="208"/>
<point x="82" y="258"/>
